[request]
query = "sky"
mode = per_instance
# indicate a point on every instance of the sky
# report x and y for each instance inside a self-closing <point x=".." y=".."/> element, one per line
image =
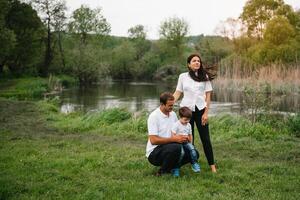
<point x="203" y="16"/>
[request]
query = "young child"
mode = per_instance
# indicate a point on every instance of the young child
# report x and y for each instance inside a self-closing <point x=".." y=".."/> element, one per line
<point x="183" y="127"/>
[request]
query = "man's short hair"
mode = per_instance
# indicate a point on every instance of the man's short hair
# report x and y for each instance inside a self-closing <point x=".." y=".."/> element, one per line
<point x="166" y="96"/>
<point x="185" y="112"/>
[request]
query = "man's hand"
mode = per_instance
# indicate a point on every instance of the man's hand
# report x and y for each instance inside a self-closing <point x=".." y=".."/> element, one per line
<point x="180" y="138"/>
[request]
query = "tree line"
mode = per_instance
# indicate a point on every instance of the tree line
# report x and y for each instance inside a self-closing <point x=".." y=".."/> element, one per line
<point x="37" y="38"/>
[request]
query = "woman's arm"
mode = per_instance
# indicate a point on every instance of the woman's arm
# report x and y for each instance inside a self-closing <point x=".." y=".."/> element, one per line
<point x="177" y="94"/>
<point x="204" y="119"/>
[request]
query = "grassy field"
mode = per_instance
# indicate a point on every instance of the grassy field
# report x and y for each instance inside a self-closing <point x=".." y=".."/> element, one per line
<point x="48" y="155"/>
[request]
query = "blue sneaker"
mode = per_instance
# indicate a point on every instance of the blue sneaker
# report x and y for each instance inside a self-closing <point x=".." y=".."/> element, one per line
<point x="196" y="167"/>
<point x="175" y="172"/>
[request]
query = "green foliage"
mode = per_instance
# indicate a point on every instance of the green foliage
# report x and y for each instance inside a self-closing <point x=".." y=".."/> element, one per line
<point x="123" y="61"/>
<point x="40" y="161"/>
<point x="137" y="32"/>
<point x="243" y="43"/>
<point x="86" y="64"/>
<point x="256" y="100"/>
<point x="67" y="81"/>
<point x="114" y="115"/>
<point x="86" y="51"/>
<point x="53" y="15"/>
<point x="267" y="126"/>
<point x="92" y="121"/>
<point x="294" y="124"/>
<point x="274" y="24"/>
<point x="214" y="48"/>
<point x="174" y="31"/>
<point x="283" y="29"/>
<point x="22" y="31"/>
<point x="256" y="13"/>
<point x="86" y="20"/>
<point x="8" y="42"/>
<point x="168" y="72"/>
<point x="279" y="44"/>
<point x="86" y="61"/>
<point x="26" y="88"/>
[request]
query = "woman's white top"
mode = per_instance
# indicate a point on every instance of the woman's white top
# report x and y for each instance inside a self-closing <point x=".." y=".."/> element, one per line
<point x="193" y="91"/>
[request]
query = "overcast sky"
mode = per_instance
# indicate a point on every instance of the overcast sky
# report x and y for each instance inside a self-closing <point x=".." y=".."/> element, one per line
<point x="202" y="15"/>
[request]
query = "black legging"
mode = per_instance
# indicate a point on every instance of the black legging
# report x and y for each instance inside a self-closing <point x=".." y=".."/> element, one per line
<point x="167" y="156"/>
<point x="203" y="133"/>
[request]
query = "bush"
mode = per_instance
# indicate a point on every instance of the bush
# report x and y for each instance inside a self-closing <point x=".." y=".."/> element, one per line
<point x="67" y="81"/>
<point x="115" y="115"/>
<point x="26" y="88"/>
<point x="266" y="126"/>
<point x="294" y="125"/>
<point x="108" y="116"/>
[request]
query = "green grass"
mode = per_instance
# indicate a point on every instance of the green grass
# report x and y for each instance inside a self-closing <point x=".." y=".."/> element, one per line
<point x="31" y="88"/>
<point x="48" y="155"/>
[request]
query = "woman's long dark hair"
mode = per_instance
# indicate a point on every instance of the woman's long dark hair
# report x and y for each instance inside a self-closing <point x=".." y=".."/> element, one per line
<point x="202" y="74"/>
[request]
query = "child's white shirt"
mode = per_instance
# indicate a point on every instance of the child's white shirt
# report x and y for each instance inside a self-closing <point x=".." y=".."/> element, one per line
<point x="181" y="129"/>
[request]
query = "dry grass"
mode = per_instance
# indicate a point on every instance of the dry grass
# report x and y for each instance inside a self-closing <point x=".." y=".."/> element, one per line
<point x="279" y="77"/>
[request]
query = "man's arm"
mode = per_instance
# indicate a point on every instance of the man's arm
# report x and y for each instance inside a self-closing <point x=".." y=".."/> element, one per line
<point x="154" y="139"/>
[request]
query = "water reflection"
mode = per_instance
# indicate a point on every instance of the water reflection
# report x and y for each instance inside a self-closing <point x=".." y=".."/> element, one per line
<point x="137" y="96"/>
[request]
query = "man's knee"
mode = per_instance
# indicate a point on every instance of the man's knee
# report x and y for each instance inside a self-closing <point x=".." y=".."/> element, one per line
<point x="174" y="148"/>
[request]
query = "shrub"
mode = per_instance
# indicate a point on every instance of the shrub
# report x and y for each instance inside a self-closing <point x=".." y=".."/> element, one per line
<point x="294" y="125"/>
<point x="108" y="116"/>
<point x="26" y="88"/>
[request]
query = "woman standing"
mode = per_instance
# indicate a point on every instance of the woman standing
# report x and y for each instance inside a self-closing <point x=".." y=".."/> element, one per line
<point x="196" y="88"/>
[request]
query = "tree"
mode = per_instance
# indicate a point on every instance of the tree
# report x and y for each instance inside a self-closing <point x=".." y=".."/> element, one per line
<point x="173" y="31"/>
<point x="213" y="48"/>
<point x="137" y="34"/>
<point x="85" y="20"/>
<point x="230" y="28"/>
<point x="256" y="13"/>
<point x="22" y="21"/>
<point x="123" y="61"/>
<point x="7" y="36"/>
<point x="59" y="24"/>
<point x="279" y="31"/>
<point x="51" y="11"/>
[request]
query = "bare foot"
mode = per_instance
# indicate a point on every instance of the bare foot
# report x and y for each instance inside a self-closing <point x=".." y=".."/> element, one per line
<point x="213" y="168"/>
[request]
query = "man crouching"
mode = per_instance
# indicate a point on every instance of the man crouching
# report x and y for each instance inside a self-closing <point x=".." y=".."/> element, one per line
<point x="164" y="149"/>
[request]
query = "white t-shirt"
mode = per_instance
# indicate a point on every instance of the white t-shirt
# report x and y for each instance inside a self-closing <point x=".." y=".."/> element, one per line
<point x="181" y="129"/>
<point x="159" y="124"/>
<point x="193" y="91"/>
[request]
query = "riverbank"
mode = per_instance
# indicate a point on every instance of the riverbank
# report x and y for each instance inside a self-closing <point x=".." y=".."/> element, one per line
<point x="45" y="154"/>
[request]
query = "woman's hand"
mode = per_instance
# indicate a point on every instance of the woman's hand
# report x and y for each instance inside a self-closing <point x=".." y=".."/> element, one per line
<point x="204" y="119"/>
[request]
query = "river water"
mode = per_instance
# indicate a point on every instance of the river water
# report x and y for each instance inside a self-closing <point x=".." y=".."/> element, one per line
<point x="137" y="96"/>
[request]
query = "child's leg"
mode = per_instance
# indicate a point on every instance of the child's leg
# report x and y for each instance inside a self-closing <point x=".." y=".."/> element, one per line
<point x="192" y="151"/>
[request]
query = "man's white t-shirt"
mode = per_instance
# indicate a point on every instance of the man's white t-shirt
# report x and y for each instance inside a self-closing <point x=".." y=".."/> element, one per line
<point x="159" y="124"/>
<point x="193" y="91"/>
<point x="182" y="129"/>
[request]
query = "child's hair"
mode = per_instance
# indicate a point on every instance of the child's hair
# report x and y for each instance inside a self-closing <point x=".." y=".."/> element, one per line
<point x="185" y="112"/>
